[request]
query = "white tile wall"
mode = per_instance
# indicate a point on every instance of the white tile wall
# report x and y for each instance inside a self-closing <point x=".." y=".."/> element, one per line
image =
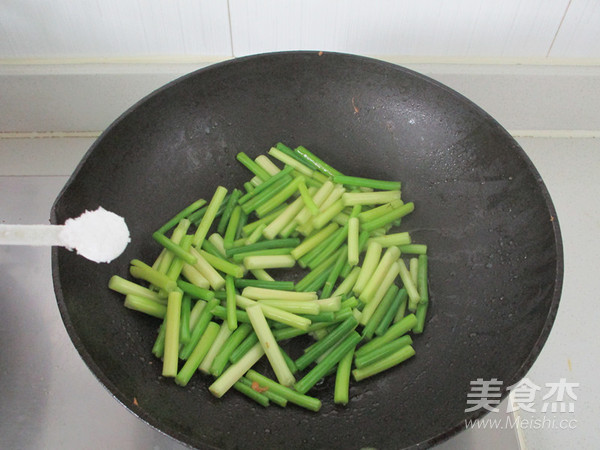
<point x="579" y="34"/>
<point x="127" y="29"/>
<point x="113" y="28"/>
<point x="465" y="28"/>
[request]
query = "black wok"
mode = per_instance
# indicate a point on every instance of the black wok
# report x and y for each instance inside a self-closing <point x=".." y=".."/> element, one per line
<point x="496" y="261"/>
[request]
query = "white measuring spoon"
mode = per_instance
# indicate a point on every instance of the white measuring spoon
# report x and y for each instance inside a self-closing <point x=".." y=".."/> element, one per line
<point x="99" y="235"/>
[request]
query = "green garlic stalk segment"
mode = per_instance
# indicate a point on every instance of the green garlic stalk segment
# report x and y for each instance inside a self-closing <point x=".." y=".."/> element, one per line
<point x="215" y="279"/>
<point x="223" y="265"/>
<point x="229" y="207"/>
<point x="353" y="231"/>
<point x="332" y="244"/>
<point x="253" y="167"/>
<point x="367" y="182"/>
<point x="181" y="215"/>
<point x="395" y="331"/>
<point x="198" y="330"/>
<point x="209" y="216"/>
<point x="198" y="354"/>
<point x="184" y="327"/>
<point x="248" y="391"/>
<point x="390" y="256"/>
<point x="221" y="358"/>
<point x="423" y="293"/>
<point x="369" y="198"/>
<point x="310" y="403"/>
<point x="264" y="245"/>
<point x="277" y="285"/>
<point x="415" y="249"/>
<point x="369" y="265"/>
<point x="411" y="289"/>
<point x="235" y="371"/>
<point x="388" y="218"/>
<point x="145" y="305"/>
<point x="386" y="363"/>
<point x="239" y="257"/>
<point x="307" y="199"/>
<point x="292" y="162"/>
<point x="313" y="241"/>
<point x="172" y="324"/>
<point x="263" y="275"/>
<point x="195" y="291"/>
<point x="294" y="155"/>
<point x="211" y="248"/>
<point x="379" y="211"/>
<point x="327" y="363"/>
<point x="319" y="198"/>
<point x="284" y="174"/>
<point x="244" y="347"/>
<point x="173" y="247"/>
<point x="373" y="312"/>
<point x="232" y="226"/>
<point x="257" y="293"/>
<point x="269" y="262"/>
<point x="221" y="312"/>
<point x="342" y="379"/>
<point x="217" y="241"/>
<point x="126" y="287"/>
<point x="346" y="286"/>
<point x="264" y="162"/>
<point x="274" y="228"/>
<point x="413" y="269"/>
<point x="273" y="397"/>
<point x="321" y="165"/>
<point x="276" y="314"/>
<point x="194" y="277"/>
<point x="248" y="228"/>
<point x="382" y="352"/>
<point x="218" y="342"/>
<point x="386" y="283"/>
<point x="263" y="197"/>
<point x="293" y="306"/>
<point x="256" y="234"/>
<point x="324" y="344"/>
<point x="335" y="273"/>
<point x="269" y="345"/>
<point x="142" y="271"/>
<point x="230" y="303"/>
<point x="389" y="315"/>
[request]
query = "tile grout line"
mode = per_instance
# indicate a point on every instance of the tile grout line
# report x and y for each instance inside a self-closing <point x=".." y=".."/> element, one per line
<point x="230" y="29"/>
<point x="557" y="134"/>
<point x="66" y="175"/>
<point x="552" y="133"/>
<point x="166" y="60"/>
<point x="562" y="19"/>
<point x="49" y="134"/>
<point x="516" y="418"/>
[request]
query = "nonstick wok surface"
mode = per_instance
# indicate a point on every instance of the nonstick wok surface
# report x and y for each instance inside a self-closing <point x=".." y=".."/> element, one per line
<point x="495" y="252"/>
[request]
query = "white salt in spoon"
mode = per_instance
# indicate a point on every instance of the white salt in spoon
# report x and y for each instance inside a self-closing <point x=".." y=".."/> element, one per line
<point x="99" y="235"/>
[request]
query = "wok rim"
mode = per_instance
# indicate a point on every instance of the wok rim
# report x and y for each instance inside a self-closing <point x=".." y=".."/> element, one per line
<point x="518" y="152"/>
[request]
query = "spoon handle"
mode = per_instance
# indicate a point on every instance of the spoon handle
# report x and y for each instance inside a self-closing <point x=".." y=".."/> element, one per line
<point x="36" y="235"/>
